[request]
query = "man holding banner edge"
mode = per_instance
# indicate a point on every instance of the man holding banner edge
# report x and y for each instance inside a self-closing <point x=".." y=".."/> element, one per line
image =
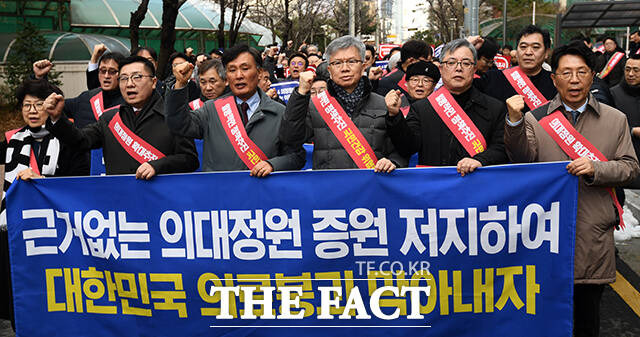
<point x="595" y="136"/>
<point x="240" y="129"/>
<point x="133" y="136"/>
<point x="345" y="122"/>
<point x="457" y="125"/>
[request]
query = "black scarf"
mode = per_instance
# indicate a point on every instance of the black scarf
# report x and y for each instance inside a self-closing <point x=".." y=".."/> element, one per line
<point x="349" y="100"/>
<point x="18" y="157"/>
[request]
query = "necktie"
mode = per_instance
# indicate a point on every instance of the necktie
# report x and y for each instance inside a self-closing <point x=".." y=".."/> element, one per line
<point x="575" y="114"/>
<point x="244" y="108"/>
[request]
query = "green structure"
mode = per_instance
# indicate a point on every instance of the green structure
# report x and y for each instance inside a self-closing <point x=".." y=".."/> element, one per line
<point x="73" y="27"/>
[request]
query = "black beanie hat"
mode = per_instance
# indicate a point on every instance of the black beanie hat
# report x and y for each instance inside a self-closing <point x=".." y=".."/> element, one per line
<point x="423" y="68"/>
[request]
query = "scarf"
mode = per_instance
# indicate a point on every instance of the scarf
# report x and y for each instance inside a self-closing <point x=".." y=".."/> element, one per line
<point x="349" y="101"/>
<point x="18" y="157"/>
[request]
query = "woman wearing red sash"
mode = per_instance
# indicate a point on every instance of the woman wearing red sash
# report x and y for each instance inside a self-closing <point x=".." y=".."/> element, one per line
<point x="47" y="157"/>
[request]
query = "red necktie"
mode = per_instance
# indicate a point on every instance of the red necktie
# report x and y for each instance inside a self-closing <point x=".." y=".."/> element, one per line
<point x="244" y="108"/>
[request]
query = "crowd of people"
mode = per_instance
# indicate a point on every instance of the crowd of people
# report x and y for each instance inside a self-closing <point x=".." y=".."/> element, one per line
<point x="452" y="109"/>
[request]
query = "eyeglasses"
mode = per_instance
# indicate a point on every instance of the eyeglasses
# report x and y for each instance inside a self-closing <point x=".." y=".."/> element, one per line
<point x="111" y="71"/>
<point x="136" y="78"/>
<point x="580" y="74"/>
<point x="417" y="80"/>
<point x="297" y="63"/>
<point x="39" y="106"/>
<point x="350" y="63"/>
<point x="631" y="70"/>
<point x="452" y="64"/>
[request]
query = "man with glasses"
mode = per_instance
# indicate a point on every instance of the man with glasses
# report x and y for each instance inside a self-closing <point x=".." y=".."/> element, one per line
<point x="457" y="125"/>
<point x="595" y="137"/>
<point x="87" y="107"/>
<point x="297" y="64"/>
<point x="411" y="52"/>
<point x="134" y="136"/>
<point x="421" y="81"/>
<point x="239" y="129"/>
<point x="626" y="96"/>
<point x="527" y="85"/>
<point x="345" y="122"/>
<point x="486" y="53"/>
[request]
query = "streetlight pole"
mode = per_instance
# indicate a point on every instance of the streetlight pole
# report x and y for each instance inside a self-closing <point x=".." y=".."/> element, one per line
<point x="352" y="17"/>
<point x="504" y="23"/>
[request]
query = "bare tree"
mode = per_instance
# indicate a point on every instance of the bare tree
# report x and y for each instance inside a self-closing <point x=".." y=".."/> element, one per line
<point x="168" y="34"/>
<point x="134" y="23"/>
<point x="447" y="17"/>
<point x="267" y="13"/>
<point x="239" y="9"/>
<point x="220" y="33"/>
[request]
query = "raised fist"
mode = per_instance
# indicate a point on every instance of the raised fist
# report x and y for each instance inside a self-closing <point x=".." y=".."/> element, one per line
<point x="515" y="105"/>
<point x="306" y="80"/>
<point x="53" y="105"/>
<point x="393" y="101"/>
<point x="182" y="72"/>
<point x="98" y="50"/>
<point x="375" y="73"/>
<point x="41" y="68"/>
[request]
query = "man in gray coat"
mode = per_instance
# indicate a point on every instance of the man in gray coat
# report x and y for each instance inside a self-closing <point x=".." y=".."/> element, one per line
<point x="259" y="115"/>
<point x="361" y="107"/>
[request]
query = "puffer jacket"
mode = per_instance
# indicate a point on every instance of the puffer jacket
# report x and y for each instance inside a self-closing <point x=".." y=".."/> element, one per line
<point x="302" y="122"/>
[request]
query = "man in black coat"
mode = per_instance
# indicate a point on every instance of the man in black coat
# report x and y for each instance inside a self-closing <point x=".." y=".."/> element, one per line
<point x="425" y="132"/>
<point x="134" y="136"/>
<point x="531" y="51"/>
<point x="412" y="51"/>
<point x="613" y="71"/>
<point x="626" y="96"/>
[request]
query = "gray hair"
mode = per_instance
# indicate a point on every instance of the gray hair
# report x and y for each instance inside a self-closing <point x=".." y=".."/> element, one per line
<point x="393" y="61"/>
<point x="345" y="42"/>
<point x="455" y="45"/>
<point x="215" y="64"/>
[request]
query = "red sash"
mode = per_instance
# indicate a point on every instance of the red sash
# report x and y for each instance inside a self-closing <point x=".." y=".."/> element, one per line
<point x="343" y="128"/>
<point x="97" y="105"/>
<point x="231" y="122"/>
<point x="33" y="163"/>
<point x="615" y="58"/>
<point x="135" y="146"/>
<point x="524" y="87"/>
<point x="196" y="104"/>
<point x="403" y="83"/>
<point x="457" y="121"/>
<point x="575" y="146"/>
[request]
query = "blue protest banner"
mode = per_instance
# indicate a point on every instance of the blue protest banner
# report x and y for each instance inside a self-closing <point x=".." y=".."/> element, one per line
<point x="418" y="251"/>
<point x="382" y="64"/>
<point x="284" y="89"/>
